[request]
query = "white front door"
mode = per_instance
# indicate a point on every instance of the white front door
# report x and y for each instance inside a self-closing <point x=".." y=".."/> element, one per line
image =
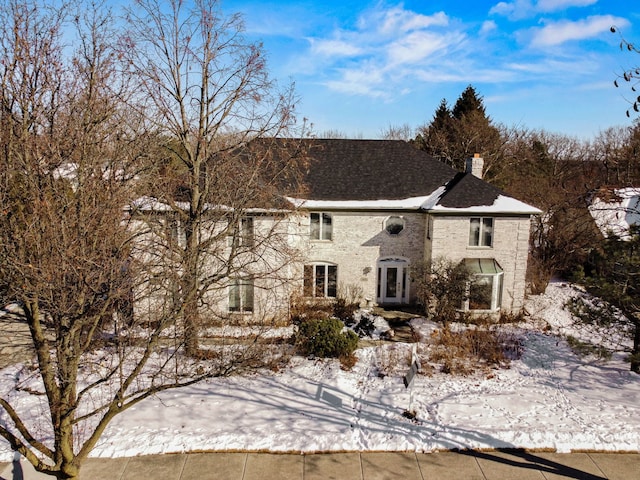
<point x="393" y="281"/>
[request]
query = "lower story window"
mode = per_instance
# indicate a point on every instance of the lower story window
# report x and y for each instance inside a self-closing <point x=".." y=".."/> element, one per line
<point x="320" y="280"/>
<point x="485" y="292"/>
<point x="485" y="286"/>
<point x="241" y="295"/>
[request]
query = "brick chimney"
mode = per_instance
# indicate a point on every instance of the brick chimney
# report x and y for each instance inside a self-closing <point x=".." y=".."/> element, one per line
<point x="475" y="165"/>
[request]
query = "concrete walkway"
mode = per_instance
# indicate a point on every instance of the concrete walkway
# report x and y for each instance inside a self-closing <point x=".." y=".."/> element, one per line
<point x="507" y="465"/>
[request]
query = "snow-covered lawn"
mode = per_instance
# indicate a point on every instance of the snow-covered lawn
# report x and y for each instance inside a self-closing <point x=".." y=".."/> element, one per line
<point x="547" y="399"/>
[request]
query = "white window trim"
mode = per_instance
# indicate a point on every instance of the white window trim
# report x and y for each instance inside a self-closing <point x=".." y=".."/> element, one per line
<point x="401" y="218"/>
<point x="480" y="232"/>
<point x="242" y="283"/>
<point x="321" y="227"/>
<point x="313" y="279"/>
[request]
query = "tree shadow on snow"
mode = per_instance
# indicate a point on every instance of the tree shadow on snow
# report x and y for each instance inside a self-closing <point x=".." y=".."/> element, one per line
<point x="521" y="459"/>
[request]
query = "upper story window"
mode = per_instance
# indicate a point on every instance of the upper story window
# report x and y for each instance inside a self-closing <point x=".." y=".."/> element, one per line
<point x="394" y="225"/>
<point x="481" y="232"/>
<point x="171" y="228"/>
<point x="321" y="226"/>
<point x="243" y="234"/>
<point x="246" y="231"/>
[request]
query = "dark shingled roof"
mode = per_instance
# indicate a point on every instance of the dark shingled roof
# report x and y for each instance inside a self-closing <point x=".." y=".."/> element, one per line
<point x="387" y="170"/>
<point x="466" y="190"/>
<point x="372" y="170"/>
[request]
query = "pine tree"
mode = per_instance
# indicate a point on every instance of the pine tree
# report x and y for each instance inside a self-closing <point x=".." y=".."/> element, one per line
<point x="468" y="102"/>
<point x="614" y="276"/>
<point x="457" y="134"/>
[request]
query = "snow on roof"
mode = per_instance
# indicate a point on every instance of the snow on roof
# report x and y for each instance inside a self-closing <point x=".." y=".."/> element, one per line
<point x="615" y="215"/>
<point x="503" y="205"/>
<point x="413" y="203"/>
<point x="152" y="204"/>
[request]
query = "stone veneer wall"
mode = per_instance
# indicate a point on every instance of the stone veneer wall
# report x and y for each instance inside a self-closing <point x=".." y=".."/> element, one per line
<point x="360" y="240"/>
<point x="450" y="238"/>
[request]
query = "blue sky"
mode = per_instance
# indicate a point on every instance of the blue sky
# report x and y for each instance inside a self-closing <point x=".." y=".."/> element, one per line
<point x="361" y="66"/>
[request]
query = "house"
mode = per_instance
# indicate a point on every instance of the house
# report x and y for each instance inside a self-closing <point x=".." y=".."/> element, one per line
<point x="374" y="208"/>
<point x="370" y="211"/>
<point x="614" y="210"/>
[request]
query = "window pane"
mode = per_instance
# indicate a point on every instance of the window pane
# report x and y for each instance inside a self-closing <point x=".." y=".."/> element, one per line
<point x="315" y="226"/>
<point x="327" y="228"/>
<point x="246" y="231"/>
<point x="332" y="284"/>
<point x="234" y="297"/>
<point x="404" y="283"/>
<point x="392" y="278"/>
<point x="320" y="281"/>
<point x="307" y="289"/>
<point x="394" y="225"/>
<point x="474" y="232"/>
<point x="480" y="292"/>
<point x="487" y="232"/>
<point x="247" y="295"/>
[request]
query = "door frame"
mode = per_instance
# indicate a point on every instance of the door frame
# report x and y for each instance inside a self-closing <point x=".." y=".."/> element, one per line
<point x="401" y="286"/>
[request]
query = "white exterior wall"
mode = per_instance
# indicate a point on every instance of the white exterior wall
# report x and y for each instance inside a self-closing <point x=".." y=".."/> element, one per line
<point x="359" y="240"/>
<point x="273" y="264"/>
<point x="450" y="239"/>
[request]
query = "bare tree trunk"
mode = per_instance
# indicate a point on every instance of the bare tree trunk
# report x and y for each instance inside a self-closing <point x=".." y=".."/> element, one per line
<point x="635" y="353"/>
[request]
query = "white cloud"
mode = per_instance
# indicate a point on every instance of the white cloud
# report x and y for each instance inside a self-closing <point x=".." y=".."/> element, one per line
<point x="338" y="48"/>
<point x="557" y="5"/>
<point x="397" y="20"/>
<point x="558" y="33"/>
<point x="488" y="26"/>
<point x="386" y="45"/>
<point x="361" y="81"/>
<point x="520" y="9"/>
<point x="418" y="46"/>
<point x="513" y="10"/>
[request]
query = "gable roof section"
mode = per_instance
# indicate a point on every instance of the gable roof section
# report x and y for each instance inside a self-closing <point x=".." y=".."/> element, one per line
<point x="466" y="190"/>
<point x="394" y="175"/>
<point x="357" y="170"/>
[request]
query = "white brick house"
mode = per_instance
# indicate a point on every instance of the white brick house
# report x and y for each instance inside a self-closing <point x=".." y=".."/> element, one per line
<point x="375" y="208"/>
<point x="372" y="209"/>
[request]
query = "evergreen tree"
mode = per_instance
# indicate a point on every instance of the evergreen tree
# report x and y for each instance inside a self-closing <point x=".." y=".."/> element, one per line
<point x="614" y="276"/>
<point x="457" y="134"/>
<point x="468" y="102"/>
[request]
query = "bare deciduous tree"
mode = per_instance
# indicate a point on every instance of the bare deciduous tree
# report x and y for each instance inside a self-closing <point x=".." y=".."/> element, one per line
<point x="442" y="287"/>
<point x="208" y="93"/>
<point x="79" y="145"/>
<point x="630" y="75"/>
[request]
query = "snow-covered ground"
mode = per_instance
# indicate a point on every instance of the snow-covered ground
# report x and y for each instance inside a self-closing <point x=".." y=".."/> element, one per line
<point x="547" y="399"/>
